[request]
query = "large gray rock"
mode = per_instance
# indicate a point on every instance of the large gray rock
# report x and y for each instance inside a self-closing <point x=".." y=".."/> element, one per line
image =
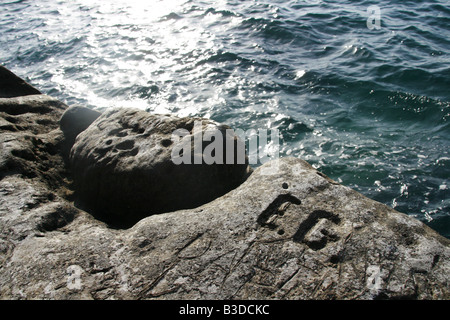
<point x="294" y="234"/>
<point x="32" y="174"/>
<point x="75" y="120"/>
<point x="123" y="169"/>
<point x="29" y="140"/>
<point x="13" y="86"/>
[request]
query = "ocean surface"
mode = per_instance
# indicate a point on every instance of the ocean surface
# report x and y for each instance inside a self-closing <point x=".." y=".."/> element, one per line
<point x="360" y="89"/>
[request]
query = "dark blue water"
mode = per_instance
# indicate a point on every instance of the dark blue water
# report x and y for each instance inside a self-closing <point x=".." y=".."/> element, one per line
<point x="368" y="106"/>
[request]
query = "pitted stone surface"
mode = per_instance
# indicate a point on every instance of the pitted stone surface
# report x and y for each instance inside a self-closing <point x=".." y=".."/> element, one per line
<point x="123" y="168"/>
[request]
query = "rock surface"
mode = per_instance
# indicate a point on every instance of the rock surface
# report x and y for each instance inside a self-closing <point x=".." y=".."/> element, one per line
<point x="123" y="169"/>
<point x="75" y="120"/>
<point x="30" y="136"/>
<point x="290" y="234"/>
<point x="13" y="86"/>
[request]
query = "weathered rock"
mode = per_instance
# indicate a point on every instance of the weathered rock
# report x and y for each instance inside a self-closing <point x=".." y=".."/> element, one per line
<point x="292" y="235"/>
<point x="32" y="174"/>
<point x="123" y="169"/>
<point x="13" y="86"/>
<point x="30" y="138"/>
<point x="74" y="120"/>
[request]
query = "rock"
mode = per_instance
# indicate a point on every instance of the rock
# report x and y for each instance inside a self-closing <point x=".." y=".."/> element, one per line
<point x="294" y="234"/>
<point x="30" y="138"/>
<point x="123" y="169"/>
<point x="73" y="121"/>
<point x="76" y="119"/>
<point x="13" y="86"/>
<point x="40" y="110"/>
<point x="32" y="174"/>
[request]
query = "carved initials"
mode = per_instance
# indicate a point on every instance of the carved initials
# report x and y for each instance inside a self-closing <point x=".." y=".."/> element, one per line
<point x="316" y="231"/>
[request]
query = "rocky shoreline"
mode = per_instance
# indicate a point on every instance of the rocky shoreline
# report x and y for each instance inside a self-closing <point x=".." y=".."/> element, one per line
<point x="75" y="185"/>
